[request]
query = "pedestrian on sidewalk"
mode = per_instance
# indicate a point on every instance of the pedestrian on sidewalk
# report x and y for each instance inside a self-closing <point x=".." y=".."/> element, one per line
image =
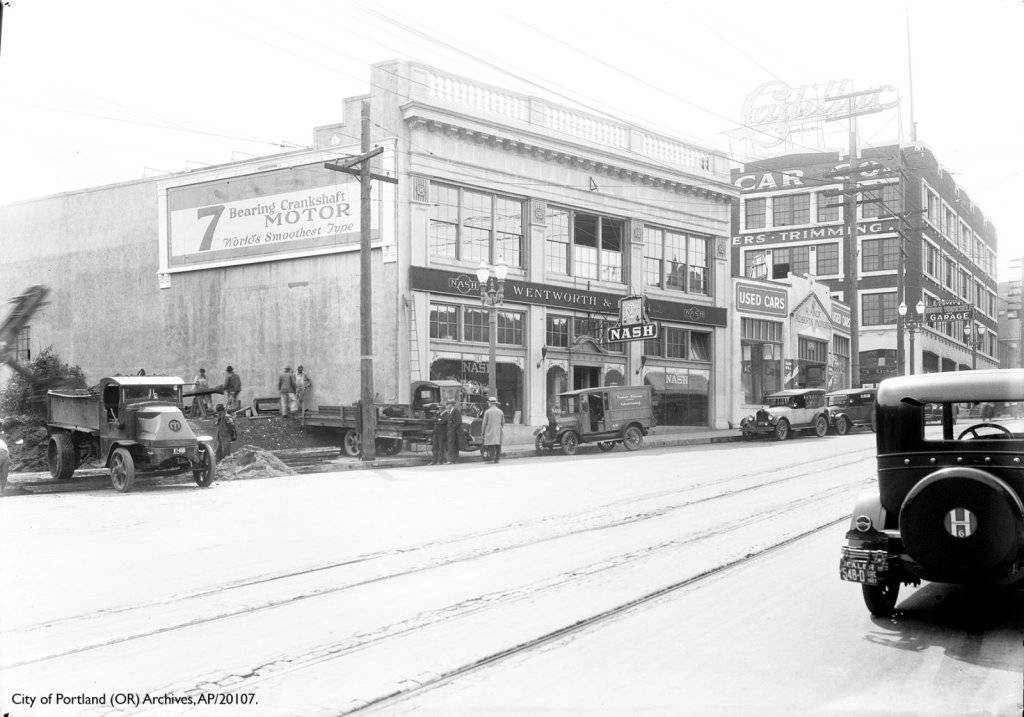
<point x="439" y="442"/>
<point x="303" y="383"/>
<point x="454" y="428"/>
<point x="286" y="388"/>
<point x="493" y="425"/>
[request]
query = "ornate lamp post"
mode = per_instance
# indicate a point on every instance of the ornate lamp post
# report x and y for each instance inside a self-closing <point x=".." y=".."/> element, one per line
<point x="492" y="294"/>
<point x="912" y="324"/>
<point x="973" y="334"/>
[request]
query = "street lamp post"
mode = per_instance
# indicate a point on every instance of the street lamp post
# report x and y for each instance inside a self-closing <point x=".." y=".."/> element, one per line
<point x="492" y="294"/>
<point x="973" y="334"/>
<point x="912" y="324"/>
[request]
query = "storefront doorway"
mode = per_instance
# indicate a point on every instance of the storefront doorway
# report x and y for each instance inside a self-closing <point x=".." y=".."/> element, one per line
<point x="586" y="377"/>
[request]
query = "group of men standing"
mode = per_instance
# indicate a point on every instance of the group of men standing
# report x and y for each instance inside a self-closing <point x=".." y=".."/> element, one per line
<point x="448" y="424"/>
<point x="293" y="389"/>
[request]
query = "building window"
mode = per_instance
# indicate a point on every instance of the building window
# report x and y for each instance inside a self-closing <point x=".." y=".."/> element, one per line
<point x="841" y="346"/>
<point x="830" y="209"/>
<point x="557" y="333"/>
<point x="444" y="322"/>
<point x="676" y="261"/>
<point x="791" y="209"/>
<point x="931" y="260"/>
<point x="827" y="259"/>
<point x="453" y="322"/>
<point x="933" y="208"/>
<point x="680" y="344"/>
<point x="474" y="226"/>
<point x="584" y="245"/>
<point x="23" y="345"/>
<point x="754" y="213"/>
<point x="880" y="254"/>
<point x="795" y="260"/>
<point x="755" y="264"/>
<point x="878" y="309"/>
<point x="882" y="201"/>
<point x="949" y="272"/>
<point x="812" y="350"/>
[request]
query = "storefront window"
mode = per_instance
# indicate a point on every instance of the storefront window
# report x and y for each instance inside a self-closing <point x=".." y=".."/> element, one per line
<point x="681" y="396"/>
<point x="557" y="333"/>
<point x="446" y="320"/>
<point x="761" y="367"/>
<point x="472" y="374"/>
<point x="812" y="361"/>
<point x="680" y="343"/>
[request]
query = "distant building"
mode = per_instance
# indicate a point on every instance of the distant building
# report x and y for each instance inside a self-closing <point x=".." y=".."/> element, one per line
<point x="784" y="223"/>
<point x="1011" y="323"/>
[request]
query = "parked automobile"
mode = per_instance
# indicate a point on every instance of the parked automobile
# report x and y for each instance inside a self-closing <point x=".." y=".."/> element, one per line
<point x="948" y="504"/>
<point x="606" y="415"/>
<point x="786" y="412"/>
<point x="933" y="413"/>
<point x="851" y="408"/>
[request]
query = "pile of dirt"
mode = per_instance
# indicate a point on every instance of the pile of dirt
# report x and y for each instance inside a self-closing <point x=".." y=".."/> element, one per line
<point x="251" y="462"/>
<point x="273" y="433"/>
<point x="30" y="454"/>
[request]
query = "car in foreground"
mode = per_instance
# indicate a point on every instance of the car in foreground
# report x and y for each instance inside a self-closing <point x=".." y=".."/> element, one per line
<point x="786" y="412"/>
<point x="851" y="408"/>
<point x="949" y="503"/>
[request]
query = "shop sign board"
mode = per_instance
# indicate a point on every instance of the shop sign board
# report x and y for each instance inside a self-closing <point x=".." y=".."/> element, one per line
<point x="841" y="317"/>
<point x="304" y="209"/>
<point x="633" y="332"/>
<point x="454" y="283"/>
<point x="816" y="233"/>
<point x="810" y="316"/>
<point x="958" y="312"/>
<point x="761" y="299"/>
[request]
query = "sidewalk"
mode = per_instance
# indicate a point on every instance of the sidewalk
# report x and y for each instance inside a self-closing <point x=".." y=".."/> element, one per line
<point x="519" y="443"/>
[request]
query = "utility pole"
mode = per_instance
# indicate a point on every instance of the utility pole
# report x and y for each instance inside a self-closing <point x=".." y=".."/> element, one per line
<point x="368" y="412"/>
<point x="851" y="269"/>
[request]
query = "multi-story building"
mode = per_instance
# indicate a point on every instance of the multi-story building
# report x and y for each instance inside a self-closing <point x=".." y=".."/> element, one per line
<point x="1011" y="324"/>
<point x="256" y="263"/>
<point x="789" y="220"/>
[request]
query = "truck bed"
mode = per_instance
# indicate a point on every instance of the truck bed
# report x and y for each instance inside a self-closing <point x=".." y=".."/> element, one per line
<point x="74" y="409"/>
<point x="393" y="426"/>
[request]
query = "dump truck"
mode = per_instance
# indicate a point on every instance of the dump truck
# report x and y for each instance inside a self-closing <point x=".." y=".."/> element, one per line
<point x="133" y="425"/>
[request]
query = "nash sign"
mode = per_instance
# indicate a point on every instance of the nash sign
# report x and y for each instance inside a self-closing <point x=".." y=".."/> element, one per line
<point x="633" y="332"/>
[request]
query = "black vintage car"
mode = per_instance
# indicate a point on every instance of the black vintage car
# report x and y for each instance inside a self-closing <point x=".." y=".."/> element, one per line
<point x="948" y="507"/>
<point x="851" y="408"/>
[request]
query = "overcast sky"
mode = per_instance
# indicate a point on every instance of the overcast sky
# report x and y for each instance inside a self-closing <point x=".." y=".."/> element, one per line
<point x="114" y="90"/>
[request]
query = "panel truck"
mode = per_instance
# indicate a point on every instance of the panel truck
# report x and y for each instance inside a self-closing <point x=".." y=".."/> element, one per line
<point x="131" y="424"/>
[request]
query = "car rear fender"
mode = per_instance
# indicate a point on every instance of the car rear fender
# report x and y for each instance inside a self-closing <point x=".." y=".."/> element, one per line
<point x="870" y="505"/>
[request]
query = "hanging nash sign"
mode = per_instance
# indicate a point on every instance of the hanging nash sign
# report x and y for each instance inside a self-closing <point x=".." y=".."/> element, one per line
<point x="633" y="322"/>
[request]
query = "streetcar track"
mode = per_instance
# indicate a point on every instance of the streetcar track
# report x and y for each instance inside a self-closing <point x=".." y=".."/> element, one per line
<point x="483" y="552"/>
<point x="580" y="625"/>
<point x="509" y="527"/>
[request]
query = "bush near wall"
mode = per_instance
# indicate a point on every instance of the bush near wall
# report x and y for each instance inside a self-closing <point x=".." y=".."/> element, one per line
<point x="24" y="397"/>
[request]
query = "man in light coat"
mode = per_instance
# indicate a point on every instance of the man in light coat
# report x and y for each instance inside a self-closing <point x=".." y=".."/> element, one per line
<point x="494" y="421"/>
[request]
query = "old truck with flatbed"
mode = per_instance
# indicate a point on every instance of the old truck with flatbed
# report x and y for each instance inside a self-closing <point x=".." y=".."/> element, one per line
<point x="132" y="425"/>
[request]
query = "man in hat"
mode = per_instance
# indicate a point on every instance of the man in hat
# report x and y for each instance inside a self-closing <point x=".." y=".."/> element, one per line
<point x="440" y="437"/>
<point x="286" y="388"/>
<point x="232" y="387"/>
<point x="494" y="420"/>
<point x="454" y="428"/>
<point x="302" y="385"/>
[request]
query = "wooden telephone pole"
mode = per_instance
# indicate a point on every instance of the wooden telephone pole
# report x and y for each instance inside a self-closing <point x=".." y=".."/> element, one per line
<point x="368" y="411"/>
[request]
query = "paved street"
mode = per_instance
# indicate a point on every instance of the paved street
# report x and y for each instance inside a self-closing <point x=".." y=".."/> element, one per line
<point x="590" y="584"/>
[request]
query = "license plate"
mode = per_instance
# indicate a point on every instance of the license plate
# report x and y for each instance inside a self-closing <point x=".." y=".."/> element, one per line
<point x="180" y="450"/>
<point x="862" y="569"/>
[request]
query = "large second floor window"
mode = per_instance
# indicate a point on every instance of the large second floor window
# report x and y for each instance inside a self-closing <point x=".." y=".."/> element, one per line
<point x="882" y="201"/>
<point x="791" y="209"/>
<point x="794" y="260"/>
<point x="468" y="225"/>
<point x="754" y="210"/>
<point x="677" y="261"/>
<point x="827" y="259"/>
<point x="583" y="245"/>
<point x="880" y="254"/>
<point x="455" y="322"/>
<point x="878" y="309"/>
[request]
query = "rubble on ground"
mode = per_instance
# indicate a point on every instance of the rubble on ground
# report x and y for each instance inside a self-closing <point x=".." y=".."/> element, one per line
<point x="251" y="461"/>
<point x="30" y="455"/>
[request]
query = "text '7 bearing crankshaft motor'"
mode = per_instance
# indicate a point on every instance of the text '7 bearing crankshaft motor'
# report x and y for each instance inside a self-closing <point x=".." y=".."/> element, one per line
<point x="948" y="507"/>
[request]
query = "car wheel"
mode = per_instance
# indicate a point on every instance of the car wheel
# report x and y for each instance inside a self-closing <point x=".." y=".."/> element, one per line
<point x="538" y="445"/>
<point x="820" y="426"/>
<point x="122" y="470"/>
<point x="632" y="438"/>
<point x="206" y="473"/>
<point x="842" y="425"/>
<point x="60" y="454"/>
<point x="881" y="599"/>
<point x="782" y="430"/>
<point x="606" y="445"/>
<point x="570" y="442"/>
<point x="351" y="443"/>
